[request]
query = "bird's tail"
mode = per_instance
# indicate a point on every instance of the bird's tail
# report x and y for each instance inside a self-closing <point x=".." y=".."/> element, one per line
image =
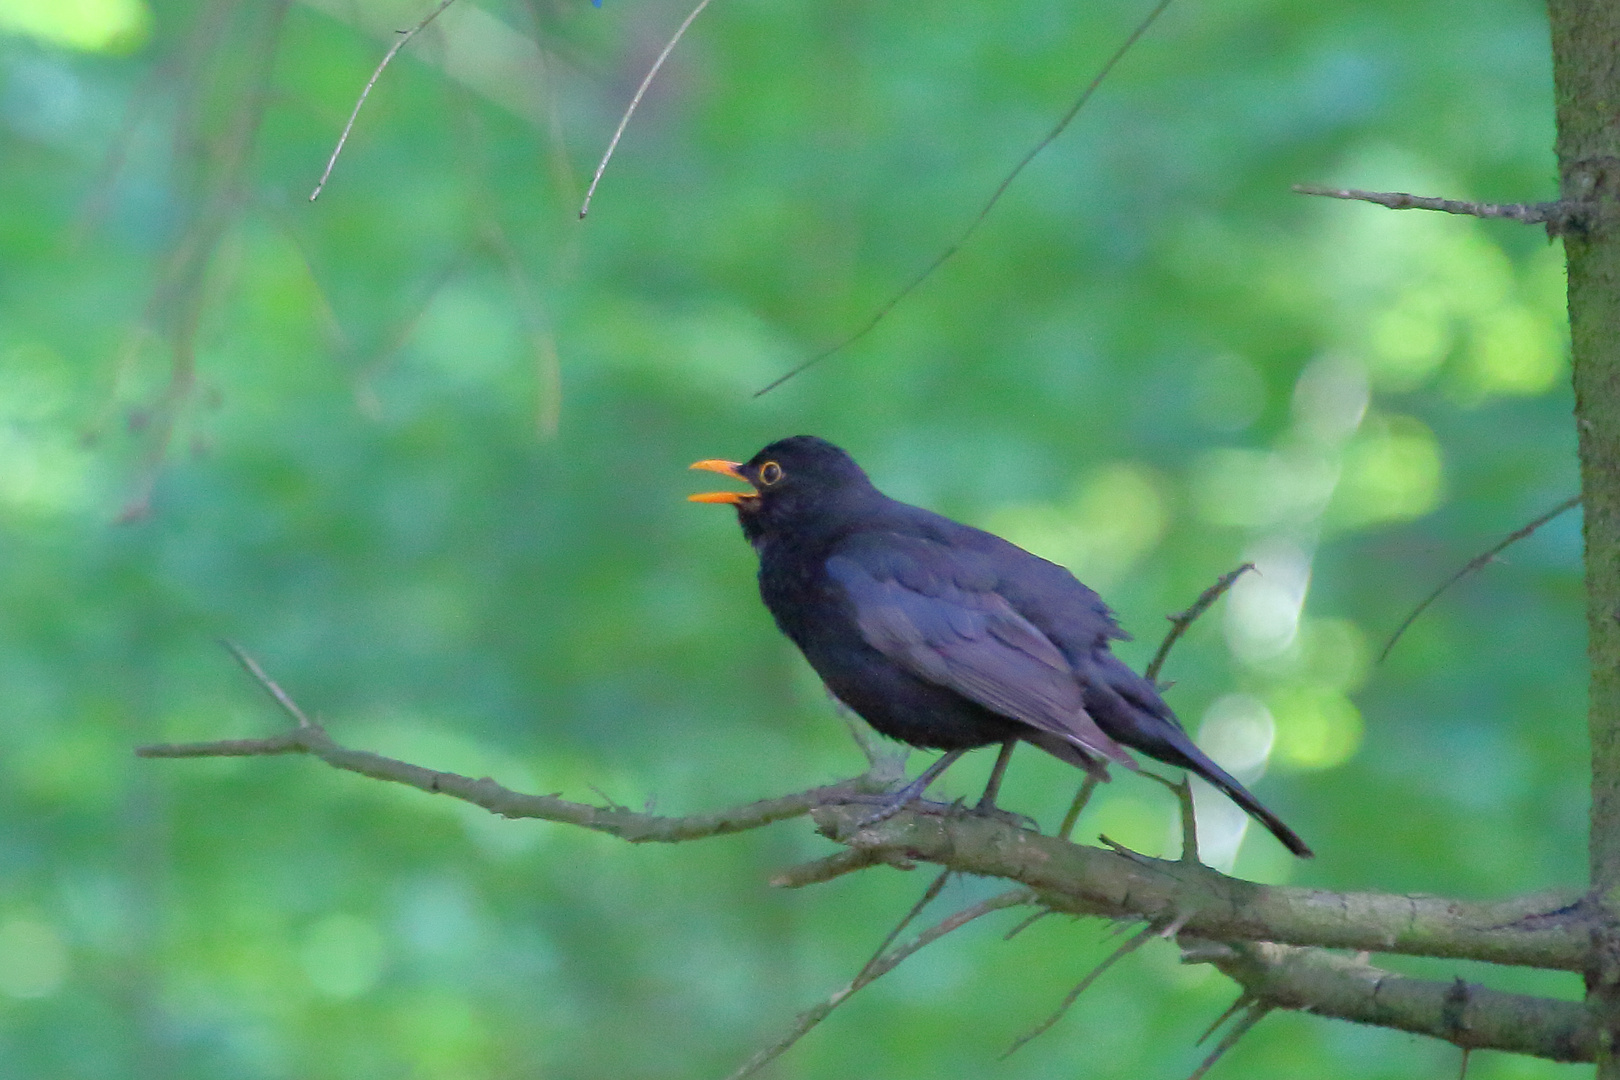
<point x="1129" y="709"/>
<point x="1239" y="794"/>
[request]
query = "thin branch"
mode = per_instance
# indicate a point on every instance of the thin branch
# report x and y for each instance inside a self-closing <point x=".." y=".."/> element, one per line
<point x="1081" y="798"/>
<point x="637" y="828"/>
<point x="990" y="204"/>
<point x="836" y="865"/>
<point x="1244" y="1000"/>
<point x="354" y="114"/>
<point x="1546" y="931"/>
<point x="311" y="738"/>
<point x="1257" y="1012"/>
<point x="180" y="295"/>
<point x="1478" y="562"/>
<point x="929" y="895"/>
<point x="271" y="686"/>
<point x="1136" y="941"/>
<point x="635" y="102"/>
<point x="1349" y="988"/>
<point x="1027" y="923"/>
<point x="1189" y="820"/>
<point x="1180" y="623"/>
<point x="1529" y="213"/>
<point x="873" y="971"/>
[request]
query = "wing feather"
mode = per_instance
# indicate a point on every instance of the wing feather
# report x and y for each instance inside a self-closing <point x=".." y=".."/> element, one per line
<point x="910" y="607"/>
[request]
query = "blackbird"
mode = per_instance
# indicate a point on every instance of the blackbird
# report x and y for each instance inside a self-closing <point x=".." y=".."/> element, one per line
<point x="945" y="636"/>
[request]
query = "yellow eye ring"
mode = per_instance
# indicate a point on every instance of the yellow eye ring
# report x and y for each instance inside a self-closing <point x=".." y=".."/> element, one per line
<point x="770" y="473"/>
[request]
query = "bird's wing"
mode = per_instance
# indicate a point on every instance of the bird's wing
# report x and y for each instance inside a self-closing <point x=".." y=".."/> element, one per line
<point x="916" y="606"/>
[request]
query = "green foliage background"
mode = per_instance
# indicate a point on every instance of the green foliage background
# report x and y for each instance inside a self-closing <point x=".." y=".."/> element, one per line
<point x="429" y="470"/>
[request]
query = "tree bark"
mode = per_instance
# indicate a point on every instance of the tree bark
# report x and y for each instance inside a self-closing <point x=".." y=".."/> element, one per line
<point x="1586" y="75"/>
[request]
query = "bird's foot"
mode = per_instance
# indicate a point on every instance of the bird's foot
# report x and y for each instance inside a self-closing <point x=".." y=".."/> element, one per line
<point x="988" y="809"/>
<point x="890" y="806"/>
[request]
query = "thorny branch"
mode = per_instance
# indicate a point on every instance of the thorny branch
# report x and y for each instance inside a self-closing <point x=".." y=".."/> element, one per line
<point x="1543" y="931"/>
<point x="1180" y="623"/>
<point x="1251" y="932"/>
<point x="1470" y="1016"/>
<point x="637" y="828"/>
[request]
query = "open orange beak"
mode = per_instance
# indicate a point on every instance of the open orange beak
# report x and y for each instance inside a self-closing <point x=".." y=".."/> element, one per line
<point x="732" y="469"/>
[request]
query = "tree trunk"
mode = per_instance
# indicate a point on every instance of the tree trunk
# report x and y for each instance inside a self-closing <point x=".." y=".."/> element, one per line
<point x="1586" y="74"/>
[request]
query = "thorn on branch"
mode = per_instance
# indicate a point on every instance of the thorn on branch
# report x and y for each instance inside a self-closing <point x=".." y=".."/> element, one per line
<point x="1189" y="821"/>
<point x="612" y="803"/>
<point x="1121" y="849"/>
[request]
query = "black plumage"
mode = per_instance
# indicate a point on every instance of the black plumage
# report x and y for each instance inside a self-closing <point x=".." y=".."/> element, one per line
<point x="945" y="636"/>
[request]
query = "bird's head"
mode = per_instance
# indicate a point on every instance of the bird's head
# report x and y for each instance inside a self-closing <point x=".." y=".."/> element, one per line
<point x="799" y="483"/>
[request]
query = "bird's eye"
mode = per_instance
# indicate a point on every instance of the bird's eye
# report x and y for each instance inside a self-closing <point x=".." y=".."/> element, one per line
<point x="770" y="473"/>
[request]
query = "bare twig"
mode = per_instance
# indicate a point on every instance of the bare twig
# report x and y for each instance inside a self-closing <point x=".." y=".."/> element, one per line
<point x="637" y="828"/>
<point x="281" y="696"/>
<point x="1180" y="623"/>
<point x="635" y="102"/>
<point x="836" y="865"/>
<point x="1244" y="1000"/>
<point x="1189" y="820"/>
<point x="1324" y="983"/>
<point x="180" y="295"/>
<point x="1136" y="941"/>
<point x="310" y="738"/>
<point x="354" y="114"/>
<point x="1081" y="797"/>
<point x="990" y="204"/>
<point x="1478" y="562"/>
<point x="1256" y="1013"/>
<point x="929" y="895"/>
<point x="1530" y="213"/>
<point x="1027" y="923"/>
<point x="873" y="971"/>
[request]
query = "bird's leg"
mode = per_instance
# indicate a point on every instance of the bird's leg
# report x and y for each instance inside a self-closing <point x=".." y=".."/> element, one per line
<point x="987" y="801"/>
<point x="911" y="792"/>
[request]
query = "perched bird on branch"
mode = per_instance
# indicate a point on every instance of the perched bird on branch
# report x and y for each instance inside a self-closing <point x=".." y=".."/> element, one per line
<point x="945" y="636"/>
